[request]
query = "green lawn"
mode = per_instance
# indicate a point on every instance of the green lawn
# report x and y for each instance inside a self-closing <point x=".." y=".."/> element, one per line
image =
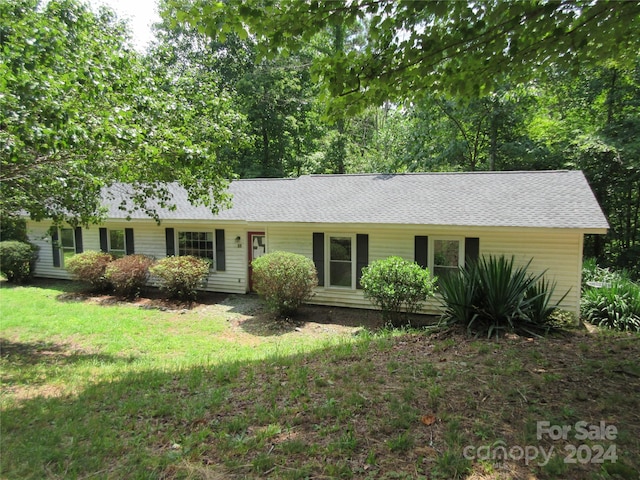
<point x="57" y="342"/>
<point x="93" y="391"/>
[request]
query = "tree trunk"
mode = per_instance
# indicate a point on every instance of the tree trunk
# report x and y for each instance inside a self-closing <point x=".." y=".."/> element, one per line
<point x="338" y="47"/>
<point x="611" y="96"/>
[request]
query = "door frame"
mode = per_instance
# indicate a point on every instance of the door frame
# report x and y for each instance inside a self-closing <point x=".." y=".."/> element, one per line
<point x="250" y="236"/>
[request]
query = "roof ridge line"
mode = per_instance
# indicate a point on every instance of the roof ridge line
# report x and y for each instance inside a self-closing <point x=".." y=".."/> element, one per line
<point x="483" y="172"/>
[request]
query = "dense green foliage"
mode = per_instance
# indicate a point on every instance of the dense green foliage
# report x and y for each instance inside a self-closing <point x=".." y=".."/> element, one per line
<point x="13" y="228"/>
<point x="398" y="287"/>
<point x="89" y="267"/>
<point x="615" y="305"/>
<point x="17" y="260"/>
<point x="609" y="298"/>
<point x="413" y="47"/>
<point x="277" y="120"/>
<point x="285" y="280"/>
<point x="594" y="275"/>
<point x="181" y="277"/>
<point x="129" y="274"/>
<point x="494" y="296"/>
<point x="81" y="111"/>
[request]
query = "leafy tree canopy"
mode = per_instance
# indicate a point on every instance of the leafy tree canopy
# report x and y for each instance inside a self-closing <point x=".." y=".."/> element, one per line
<point x="424" y="46"/>
<point x="80" y="110"/>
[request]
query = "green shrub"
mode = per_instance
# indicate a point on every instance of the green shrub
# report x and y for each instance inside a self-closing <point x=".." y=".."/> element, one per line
<point x="17" y="260"/>
<point x="628" y="261"/>
<point x="592" y="274"/>
<point x="285" y="280"/>
<point x="493" y="295"/>
<point x="398" y="287"/>
<point x="615" y="305"/>
<point x="89" y="267"/>
<point x="129" y="274"/>
<point x="12" y="228"/>
<point x="181" y="276"/>
<point x="540" y="309"/>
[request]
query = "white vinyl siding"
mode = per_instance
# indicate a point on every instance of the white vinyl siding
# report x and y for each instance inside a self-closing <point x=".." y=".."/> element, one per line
<point x="557" y="250"/>
<point x="39" y="235"/>
<point x="150" y="240"/>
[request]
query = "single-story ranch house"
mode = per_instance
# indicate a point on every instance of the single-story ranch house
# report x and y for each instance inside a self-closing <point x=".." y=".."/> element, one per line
<point x="343" y="222"/>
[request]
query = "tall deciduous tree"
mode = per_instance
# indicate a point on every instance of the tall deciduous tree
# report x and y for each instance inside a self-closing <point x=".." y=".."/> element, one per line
<point x="418" y="46"/>
<point x="80" y="111"/>
<point x="276" y="96"/>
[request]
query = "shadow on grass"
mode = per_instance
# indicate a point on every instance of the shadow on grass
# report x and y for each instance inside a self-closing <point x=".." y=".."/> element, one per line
<point x="352" y="410"/>
<point x="25" y="364"/>
<point x="31" y="353"/>
<point x="161" y="424"/>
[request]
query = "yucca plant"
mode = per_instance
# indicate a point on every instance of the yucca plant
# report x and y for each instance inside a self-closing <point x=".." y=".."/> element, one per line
<point x="540" y="307"/>
<point x="494" y="295"/>
<point x="504" y="290"/>
<point x="460" y="292"/>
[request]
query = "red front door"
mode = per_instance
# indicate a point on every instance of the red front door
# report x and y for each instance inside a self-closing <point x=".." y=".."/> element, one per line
<point x="257" y="243"/>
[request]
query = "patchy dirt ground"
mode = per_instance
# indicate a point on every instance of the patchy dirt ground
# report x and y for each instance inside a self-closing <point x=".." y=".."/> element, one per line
<point x="247" y="312"/>
<point x="417" y="405"/>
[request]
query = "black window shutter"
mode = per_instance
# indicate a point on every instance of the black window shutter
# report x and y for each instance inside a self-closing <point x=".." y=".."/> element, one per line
<point x="362" y="256"/>
<point x="318" y="256"/>
<point x="471" y="249"/>
<point x="128" y="240"/>
<point x="170" y="241"/>
<point x="104" y="245"/>
<point x="78" y="235"/>
<point x="421" y="253"/>
<point x="220" y="252"/>
<point x="55" y="247"/>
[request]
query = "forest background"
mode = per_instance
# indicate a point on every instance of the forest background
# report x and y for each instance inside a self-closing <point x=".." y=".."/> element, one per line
<point x="240" y="90"/>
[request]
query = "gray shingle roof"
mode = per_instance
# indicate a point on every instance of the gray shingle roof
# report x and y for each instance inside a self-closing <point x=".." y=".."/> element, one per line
<point x="554" y="199"/>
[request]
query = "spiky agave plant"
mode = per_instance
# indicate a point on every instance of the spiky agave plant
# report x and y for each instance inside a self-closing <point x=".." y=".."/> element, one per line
<point x="540" y="307"/>
<point x="494" y="295"/>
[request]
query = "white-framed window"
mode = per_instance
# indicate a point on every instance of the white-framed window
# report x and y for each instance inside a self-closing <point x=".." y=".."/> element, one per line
<point x="117" y="243"/>
<point x="67" y="244"/>
<point x="447" y="255"/>
<point x="341" y="262"/>
<point x="198" y="244"/>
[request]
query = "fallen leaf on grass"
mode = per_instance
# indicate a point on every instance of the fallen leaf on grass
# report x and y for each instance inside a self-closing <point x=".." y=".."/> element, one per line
<point x="428" y="419"/>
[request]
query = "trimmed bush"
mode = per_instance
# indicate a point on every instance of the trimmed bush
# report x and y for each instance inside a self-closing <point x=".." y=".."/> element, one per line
<point x="129" y="274"/>
<point x="181" y="276"/>
<point x="494" y="296"/>
<point x="17" y="260"/>
<point x="89" y="267"/>
<point x="615" y="305"/>
<point x="285" y="280"/>
<point x="398" y="287"/>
